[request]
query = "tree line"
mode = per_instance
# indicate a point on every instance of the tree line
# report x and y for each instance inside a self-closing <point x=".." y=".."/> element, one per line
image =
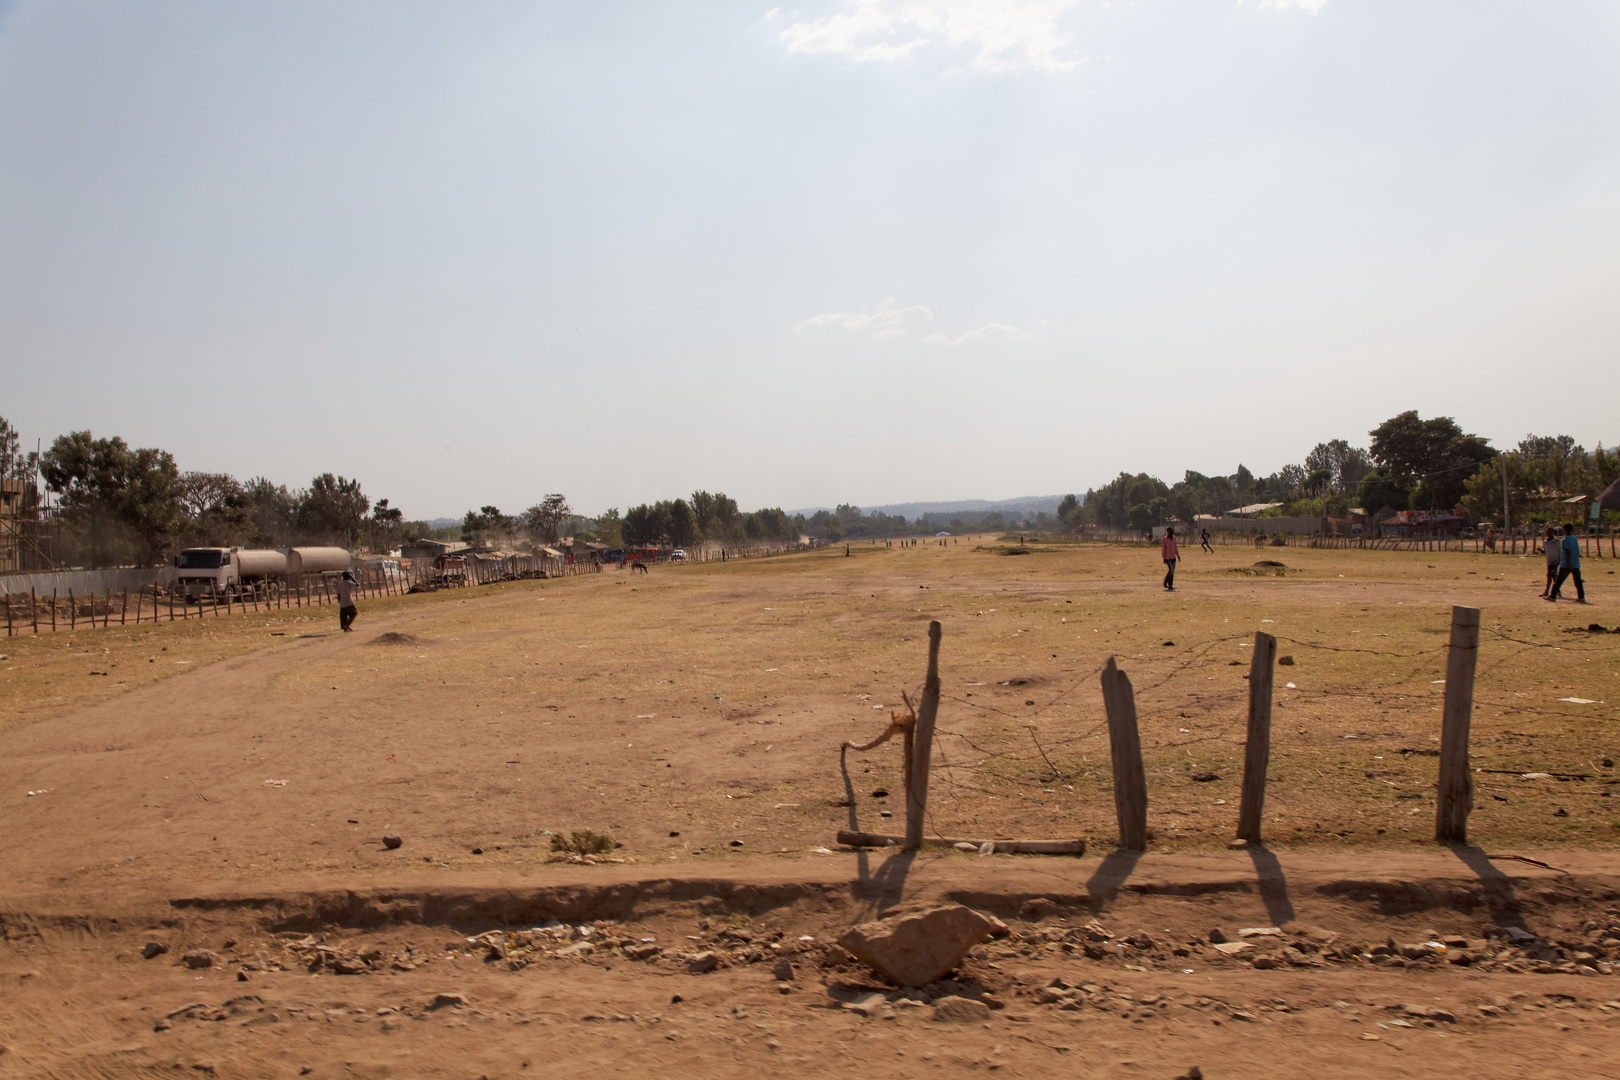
<point x="120" y="505"/>
<point x="1410" y="464"/>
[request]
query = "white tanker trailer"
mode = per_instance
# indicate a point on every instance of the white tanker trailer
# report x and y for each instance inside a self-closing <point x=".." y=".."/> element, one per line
<point x="218" y="570"/>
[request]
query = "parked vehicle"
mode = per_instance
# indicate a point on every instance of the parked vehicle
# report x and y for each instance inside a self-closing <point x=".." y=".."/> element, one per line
<point x="220" y="570"/>
<point x="386" y="568"/>
<point x="678" y="555"/>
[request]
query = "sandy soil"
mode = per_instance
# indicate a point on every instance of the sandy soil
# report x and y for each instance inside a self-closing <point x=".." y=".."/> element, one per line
<point x="695" y="715"/>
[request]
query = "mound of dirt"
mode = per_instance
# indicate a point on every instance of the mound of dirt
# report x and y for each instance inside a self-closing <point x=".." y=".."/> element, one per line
<point x="1263" y="568"/>
<point x="393" y="638"/>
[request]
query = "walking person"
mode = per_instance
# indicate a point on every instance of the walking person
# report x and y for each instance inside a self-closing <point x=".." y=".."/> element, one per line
<point x="345" y="594"/>
<point x="1554" y="551"/>
<point x="1168" y="551"/>
<point x="1569" y="565"/>
<point x="1203" y="539"/>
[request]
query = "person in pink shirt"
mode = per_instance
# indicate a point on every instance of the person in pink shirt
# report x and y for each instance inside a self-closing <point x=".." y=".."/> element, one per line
<point x="1170" y="554"/>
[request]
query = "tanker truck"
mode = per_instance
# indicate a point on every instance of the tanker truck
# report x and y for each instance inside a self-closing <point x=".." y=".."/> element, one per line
<point x="220" y="570"/>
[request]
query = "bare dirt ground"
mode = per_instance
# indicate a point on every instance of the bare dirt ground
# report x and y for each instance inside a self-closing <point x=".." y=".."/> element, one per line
<point x="224" y="787"/>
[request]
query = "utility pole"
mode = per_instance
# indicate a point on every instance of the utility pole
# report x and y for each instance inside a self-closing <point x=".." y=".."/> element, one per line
<point x="1504" y="496"/>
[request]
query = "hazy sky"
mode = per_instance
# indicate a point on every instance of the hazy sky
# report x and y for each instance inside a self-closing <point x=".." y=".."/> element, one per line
<point x="859" y="250"/>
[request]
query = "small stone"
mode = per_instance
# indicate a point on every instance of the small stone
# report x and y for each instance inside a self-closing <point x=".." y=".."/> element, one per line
<point x="917" y="949"/>
<point x="1247" y="1017"/>
<point x="702" y="962"/>
<point x="392" y="841"/>
<point x="1285" y="661"/>
<point x="867" y="1004"/>
<point x="1263" y="963"/>
<point x="963" y="845"/>
<point x="242" y="976"/>
<point x="497" y="949"/>
<point x="197" y="959"/>
<point x="447" y="1001"/>
<point x="1218" y="936"/>
<point x="736" y="843"/>
<point x="645" y="951"/>
<point x="1237" y="845"/>
<point x="1194" y="1073"/>
<point x="782" y="970"/>
<point x="153" y="948"/>
<point x="960" y="1010"/>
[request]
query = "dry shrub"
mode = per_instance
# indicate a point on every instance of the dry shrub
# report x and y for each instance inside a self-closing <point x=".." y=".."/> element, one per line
<point x="582" y="843"/>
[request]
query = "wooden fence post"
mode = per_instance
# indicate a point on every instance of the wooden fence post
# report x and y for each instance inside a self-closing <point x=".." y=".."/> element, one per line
<point x="33" y="606"/>
<point x="73" y="611"/>
<point x="922" y="748"/>
<point x="1257" y="744"/>
<point x="53" y="610"/>
<point x="1456" y="778"/>
<point x="1130" y="783"/>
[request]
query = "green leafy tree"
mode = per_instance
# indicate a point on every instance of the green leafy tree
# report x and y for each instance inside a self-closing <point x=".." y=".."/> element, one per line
<point x="610" y="528"/>
<point x="544" y="520"/>
<point x="682" y="525"/>
<point x="386" y="526"/>
<point x="120" y="503"/>
<point x="218" y="509"/>
<point x="487" y="528"/>
<point x="1434" y="457"/>
<point x="272" y="513"/>
<point x="1378" y="490"/>
<point x="333" y="511"/>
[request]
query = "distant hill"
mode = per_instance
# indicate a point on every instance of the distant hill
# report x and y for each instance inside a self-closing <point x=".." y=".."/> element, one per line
<point x="944" y="511"/>
<point x="443" y="523"/>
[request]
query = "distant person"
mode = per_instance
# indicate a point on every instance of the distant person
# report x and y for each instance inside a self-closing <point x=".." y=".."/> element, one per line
<point x="346" y="609"/>
<point x="1553" y="549"/>
<point x="1569" y="565"/>
<point x="1170" y="555"/>
<point x="1203" y="539"/>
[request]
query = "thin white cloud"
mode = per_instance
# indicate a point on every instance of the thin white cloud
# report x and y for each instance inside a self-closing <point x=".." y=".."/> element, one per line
<point x="1006" y="35"/>
<point x="887" y="322"/>
<point x="893" y="323"/>
<point x="1313" y="7"/>
<point x="988" y="330"/>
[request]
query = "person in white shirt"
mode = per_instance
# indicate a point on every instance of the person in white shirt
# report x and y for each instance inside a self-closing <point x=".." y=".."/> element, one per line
<point x="345" y="594"/>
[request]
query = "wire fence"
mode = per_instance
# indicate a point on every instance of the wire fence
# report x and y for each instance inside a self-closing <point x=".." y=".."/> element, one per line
<point x="1025" y="754"/>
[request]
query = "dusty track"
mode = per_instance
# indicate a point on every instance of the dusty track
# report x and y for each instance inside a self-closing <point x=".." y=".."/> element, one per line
<point x="709" y="703"/>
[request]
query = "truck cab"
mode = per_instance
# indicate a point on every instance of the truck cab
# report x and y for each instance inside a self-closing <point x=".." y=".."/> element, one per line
<point x="206" y="570"/>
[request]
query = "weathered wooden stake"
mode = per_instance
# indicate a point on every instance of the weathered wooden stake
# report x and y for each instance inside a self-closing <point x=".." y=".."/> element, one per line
<point x="1456" y="778"/>
<point x="53" y="610"/>
<point x="1257" y="744"/>
<point x="922" y="745"/>
<point x="1130" y="783"/>
<point x="73" y="611"/>
<point x="33" y="606"/>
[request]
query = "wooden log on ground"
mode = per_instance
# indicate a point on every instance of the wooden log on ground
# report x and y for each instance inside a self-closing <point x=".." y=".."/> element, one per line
<point x="1004" y="847"/>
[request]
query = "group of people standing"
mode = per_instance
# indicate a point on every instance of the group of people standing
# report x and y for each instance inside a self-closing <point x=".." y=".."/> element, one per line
<point x="1563" y="562"/>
